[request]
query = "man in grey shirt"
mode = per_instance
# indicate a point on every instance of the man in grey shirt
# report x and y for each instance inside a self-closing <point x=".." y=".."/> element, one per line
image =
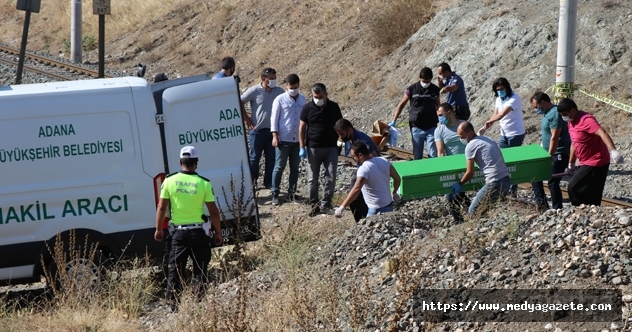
<point x="260" y="98"/>
<point x="486" y="154"/>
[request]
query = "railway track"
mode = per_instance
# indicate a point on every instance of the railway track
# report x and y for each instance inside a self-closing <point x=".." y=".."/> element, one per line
<point x="401" y="154"/>
<point x="42" y="65"/>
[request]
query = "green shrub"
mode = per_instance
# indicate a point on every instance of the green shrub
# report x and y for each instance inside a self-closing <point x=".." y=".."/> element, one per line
<point x="89" y="42"/>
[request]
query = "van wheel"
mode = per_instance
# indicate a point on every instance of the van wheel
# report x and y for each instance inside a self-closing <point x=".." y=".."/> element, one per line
<point x="79" y="273"/>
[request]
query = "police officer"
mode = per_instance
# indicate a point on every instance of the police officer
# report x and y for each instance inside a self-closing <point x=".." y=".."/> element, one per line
<point x="187" y="192"/>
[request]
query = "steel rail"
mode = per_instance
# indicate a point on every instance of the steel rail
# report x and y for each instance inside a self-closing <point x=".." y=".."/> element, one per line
<point x="47" y="61"/>
<point x="35" y="70"/>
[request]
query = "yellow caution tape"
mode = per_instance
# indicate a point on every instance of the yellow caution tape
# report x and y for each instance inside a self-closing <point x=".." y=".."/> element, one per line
<point x="567" y="88"/>
<point x="610" y="102"/>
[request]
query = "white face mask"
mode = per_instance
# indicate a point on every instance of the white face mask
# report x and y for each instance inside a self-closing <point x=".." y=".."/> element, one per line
<point x="292" y="92"/>
<point x="319" y="102"/>
<point x="566" y="118"/>
<point x="424" y="85"/>
<point x="463" y="140"/>
<point x="272" y="84"/>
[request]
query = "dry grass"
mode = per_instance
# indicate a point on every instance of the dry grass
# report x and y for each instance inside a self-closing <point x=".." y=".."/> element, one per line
<point x="392" y="23"/>
<point x="52" y="24"/>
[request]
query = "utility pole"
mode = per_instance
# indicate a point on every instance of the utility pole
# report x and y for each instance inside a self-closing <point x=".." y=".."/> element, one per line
<point x="75" y="31"/>
<point x="101" y="8"/>
<point x="29" y="6"/>
<point x="565" y="71"/>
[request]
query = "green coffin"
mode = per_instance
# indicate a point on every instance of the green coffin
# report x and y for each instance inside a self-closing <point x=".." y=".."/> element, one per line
<point x="435" y="176"/>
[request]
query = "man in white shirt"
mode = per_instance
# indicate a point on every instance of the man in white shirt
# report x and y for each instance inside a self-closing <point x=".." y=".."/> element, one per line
<point x="285" y="121"/>
<point x="374" y="178"/>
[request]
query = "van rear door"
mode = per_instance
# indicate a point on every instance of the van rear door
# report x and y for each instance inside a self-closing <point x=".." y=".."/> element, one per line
<point x="207" y="115"/>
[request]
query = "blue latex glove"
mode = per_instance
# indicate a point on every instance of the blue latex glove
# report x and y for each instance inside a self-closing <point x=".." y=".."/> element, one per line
<point x="302" y="153"/>
<point x="456" y="188"/>
<point x="392" y="123"/>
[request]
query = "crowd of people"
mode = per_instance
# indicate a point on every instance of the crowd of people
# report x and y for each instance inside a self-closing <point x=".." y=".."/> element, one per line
<point x="285" y="125"/>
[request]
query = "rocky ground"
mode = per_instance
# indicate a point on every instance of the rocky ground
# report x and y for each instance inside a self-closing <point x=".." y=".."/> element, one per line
<point x="510" y="247"/>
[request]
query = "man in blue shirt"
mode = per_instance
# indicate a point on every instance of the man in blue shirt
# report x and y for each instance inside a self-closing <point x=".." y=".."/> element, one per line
<point x="347" y="133"/>
<point x="452" y="85"/>
<point x="228" y="68"/>
<point x="557" y="141"/>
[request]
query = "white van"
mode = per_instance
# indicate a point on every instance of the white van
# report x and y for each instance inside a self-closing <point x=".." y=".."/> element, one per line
<point x="91" y="156"/>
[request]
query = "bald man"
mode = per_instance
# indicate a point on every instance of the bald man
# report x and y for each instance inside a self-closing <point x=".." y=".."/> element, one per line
<point x="486" y="154"/>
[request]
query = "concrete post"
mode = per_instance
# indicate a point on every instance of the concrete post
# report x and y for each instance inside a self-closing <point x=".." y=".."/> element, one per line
<point x="75" y="31"/>
<point x="565" y="71"/>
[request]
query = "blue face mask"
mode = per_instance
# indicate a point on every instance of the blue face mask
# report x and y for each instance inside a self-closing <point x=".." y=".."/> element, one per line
<point x="443" y="120"/>
<point x="539" y="111"/>
<point x="501" y="93"/>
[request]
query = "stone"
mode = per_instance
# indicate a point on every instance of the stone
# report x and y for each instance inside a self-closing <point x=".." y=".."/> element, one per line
<point x="627" y="298"/>
<point x="625" y="221"/>
<point x="616" y="281"/>
<point x="548" y="326"/>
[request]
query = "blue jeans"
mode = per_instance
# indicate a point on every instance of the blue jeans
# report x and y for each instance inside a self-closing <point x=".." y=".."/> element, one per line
<point x="328" y="157"/>
<point x="490" y="193"/>
<point x="285" y="151"/>
<point x="372" y="211"/>
<point x="419" y="137"/>
<point x="508" y="142"/>
<point x="261" y="143"/>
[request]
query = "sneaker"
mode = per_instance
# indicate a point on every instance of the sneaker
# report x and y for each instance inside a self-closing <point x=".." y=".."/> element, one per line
<point x="275" y="200"/>
<point x="327" y="210"/>
<point x="314" y="211"/>
<point x="294" y="198"/>
<point x="543" y="207"/>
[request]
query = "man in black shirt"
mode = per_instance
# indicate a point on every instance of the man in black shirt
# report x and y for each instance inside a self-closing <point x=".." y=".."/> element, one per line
<point x="318" y="141"/>
<point x="424" y="101"/>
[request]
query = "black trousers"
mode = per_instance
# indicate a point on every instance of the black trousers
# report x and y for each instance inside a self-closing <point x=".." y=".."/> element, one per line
<point x="462" y="112"/>
<point x="586" y="185"/>
<point x="192" y="243"/>
<point x="559" y="163"/>
<point x="456" y="204"/>
<point x="358" y="207"/>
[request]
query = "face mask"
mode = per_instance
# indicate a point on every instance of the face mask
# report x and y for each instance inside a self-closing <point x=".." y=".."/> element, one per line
<point x="445" y="81"/>
<point x="272" y="84"/>
<point x="501" y="93"/>
<point x="424" y="85"/>
<point x="566" y="118"/>
<point x="443" y="120"/>
<point x="292" y="92"/>
<point x="319" y="102"/>
<point x="463" y="140"/>
<point x="539" y="111"/>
